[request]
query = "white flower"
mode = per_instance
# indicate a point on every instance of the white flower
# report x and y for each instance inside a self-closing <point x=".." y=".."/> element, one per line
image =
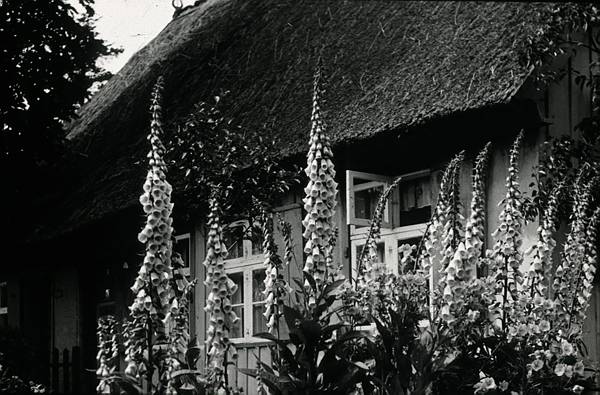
<point x="321" y="198"/>
<point x="569" y="371"/>
<point x="473" y="315"/>
<point x="503" y="385"/>
<point x="537" y="364"/>
<point x="484" y="385"/>
<point x="560" y="369"/>
<point x="577" y="389"/>
<point x="567" y="348"/>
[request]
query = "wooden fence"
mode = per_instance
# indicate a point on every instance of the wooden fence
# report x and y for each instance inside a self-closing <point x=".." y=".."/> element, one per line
<point x="66" y="371"/>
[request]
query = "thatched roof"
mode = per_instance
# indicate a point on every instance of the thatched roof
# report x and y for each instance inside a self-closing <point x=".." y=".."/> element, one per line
<point x="391" y="65"/>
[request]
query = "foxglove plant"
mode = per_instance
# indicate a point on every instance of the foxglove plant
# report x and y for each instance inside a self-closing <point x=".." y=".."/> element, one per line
<point x="538" y="279"/>
<point x="321" y="198"/>
<point x="151" y="287"/>
<point x="276" y="288"/>
<point x="574" y="267"/>
<point x="221" y="317"/>
<point x="440" y="236"/>
<point x="108" y="353"/>
<point x="433" y="252"/>
<point x="177" y="322"/>
<point x="368" y="256"/>
<point x="506" y="257"/>
<point x="286" y="232"/>
<point x="475" y="226"/>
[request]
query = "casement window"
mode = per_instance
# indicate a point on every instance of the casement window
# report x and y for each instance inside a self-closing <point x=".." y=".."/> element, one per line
<point x="182" y="245"/>
<point x="405" y="217"/>
<point x="244" y="265"/>
<point x="363" y="191"/>
<point x="3" y="304"/>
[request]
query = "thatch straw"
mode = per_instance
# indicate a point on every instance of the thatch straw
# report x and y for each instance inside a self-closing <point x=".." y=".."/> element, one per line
<point x="393" y="64"/>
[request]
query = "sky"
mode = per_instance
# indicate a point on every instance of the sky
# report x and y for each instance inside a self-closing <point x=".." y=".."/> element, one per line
<point x="130" y="24"/>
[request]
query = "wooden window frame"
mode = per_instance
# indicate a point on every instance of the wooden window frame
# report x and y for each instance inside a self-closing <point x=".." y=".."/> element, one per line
<point x="246" y="264"/>
<point x="248" y="303"/>
<point x="390" y="238"/>
<point x="375" y="180"/>
<point x="188" y="236"/>
<point x="390" y="234"/>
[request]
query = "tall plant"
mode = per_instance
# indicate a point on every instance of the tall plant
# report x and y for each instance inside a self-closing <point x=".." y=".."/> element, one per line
<point x="321" y="199"/>
<point x="160" y="356"/>
<point x="151" y="287"/>
<point x="516" y="327"/>
<point x="315" y="360"/>
<point x="222" y="320"/>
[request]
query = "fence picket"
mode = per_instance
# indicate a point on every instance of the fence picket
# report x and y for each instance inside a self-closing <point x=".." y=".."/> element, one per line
<point x="71" y="371"/>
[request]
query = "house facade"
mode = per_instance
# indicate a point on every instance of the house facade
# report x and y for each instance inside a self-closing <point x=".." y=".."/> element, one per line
<point x="409" y="85"/>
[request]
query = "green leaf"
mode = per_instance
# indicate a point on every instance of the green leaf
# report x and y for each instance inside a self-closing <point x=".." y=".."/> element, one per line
<point x="192" y="355"/>
<point x="332" y="287"/>
<point x="248" y="372"/>
<point x="324" y="306"/>
<point x="329" y="329"/>
<point x="126" y="384"/>
<point x="186" y="372"/>
<point x="292" y="317"/>
<point x="311" y="281"/>
<point x="311" y="330"/>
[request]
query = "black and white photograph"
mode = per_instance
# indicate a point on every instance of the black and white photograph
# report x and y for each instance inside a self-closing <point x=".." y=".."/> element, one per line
<point x="299" y="197"/>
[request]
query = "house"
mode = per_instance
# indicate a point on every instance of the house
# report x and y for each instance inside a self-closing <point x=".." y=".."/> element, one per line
<point x="410" y="84"/>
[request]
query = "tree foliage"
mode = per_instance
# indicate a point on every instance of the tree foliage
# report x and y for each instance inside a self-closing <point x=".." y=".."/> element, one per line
<point x="48" y="64"/>
<point x="211" y="151"/>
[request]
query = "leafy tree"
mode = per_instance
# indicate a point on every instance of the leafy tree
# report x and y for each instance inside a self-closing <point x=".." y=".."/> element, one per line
<point x="212" y="152"/>
<point x="47" y="67"/>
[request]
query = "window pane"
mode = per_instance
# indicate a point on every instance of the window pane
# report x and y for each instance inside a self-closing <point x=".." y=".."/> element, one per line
<point x="258" y="285"/>
<point x="416" y="216"/>
<point x="256" y="237"/>
<point x="411" y="242"/>
<point x="182" y="246"/>
<point x="365" y="202"/>
<point x="259" y="323"/>
<point x="415" y="201"/>
<point x="234" y="241"/>
<point x="380" y="252"/>
<point x="239" y="329"/>
<point x="238" y="296"/>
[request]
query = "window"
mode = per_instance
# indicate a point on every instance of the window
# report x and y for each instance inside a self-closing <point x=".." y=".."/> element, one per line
<point x="3" y="304"/>
<point x="415" y="199"/>
<point x="182" y="246"/>
<point x="244" y="265"/>
<point x="242" y="240"/>
<point x="363" y="191"/>
<point x="405" y="218"/>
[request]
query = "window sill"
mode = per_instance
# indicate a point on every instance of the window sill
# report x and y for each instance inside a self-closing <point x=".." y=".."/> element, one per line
<point x="409" y="230"/>
<point x="251" y="342"/>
